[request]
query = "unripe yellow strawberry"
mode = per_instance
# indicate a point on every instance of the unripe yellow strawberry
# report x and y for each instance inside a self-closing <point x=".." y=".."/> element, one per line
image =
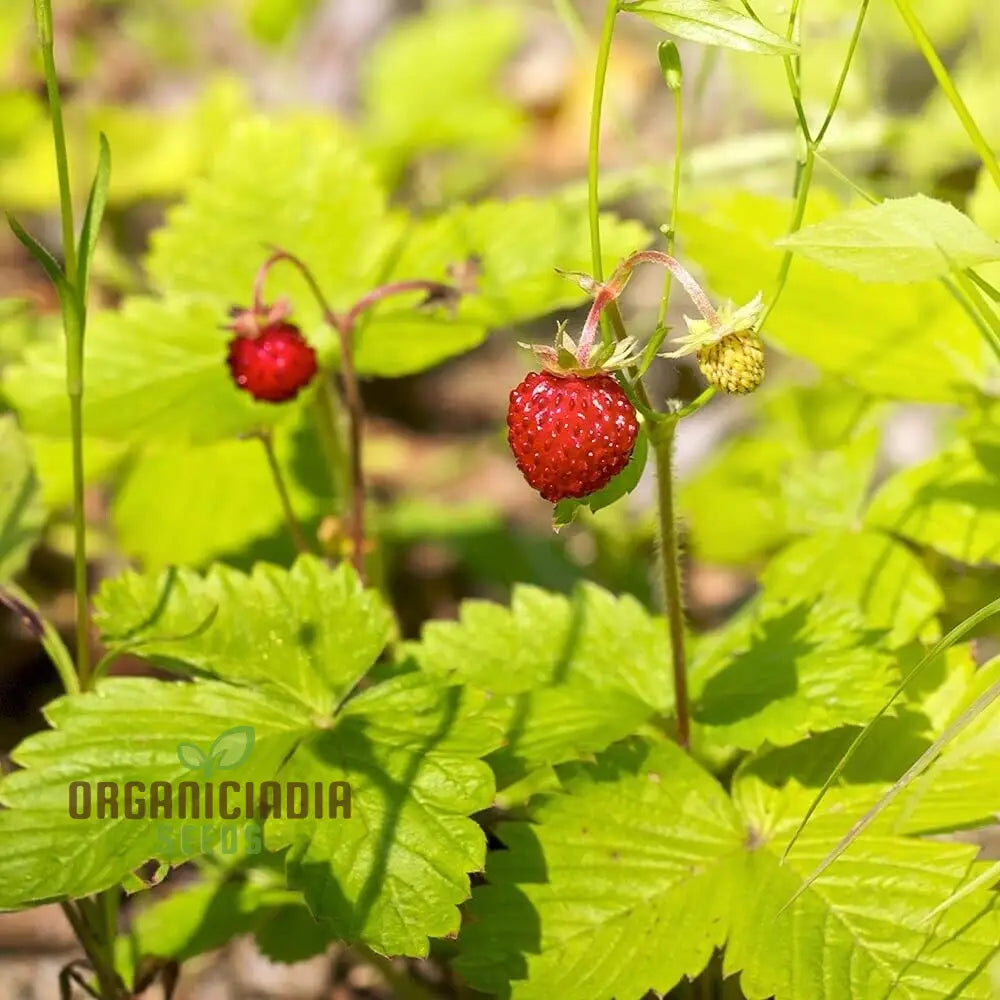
<point x="734" y="364"/>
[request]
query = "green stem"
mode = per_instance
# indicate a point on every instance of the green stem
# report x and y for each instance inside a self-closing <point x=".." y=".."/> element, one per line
<point x="845" y="69"/>
<point x="80" y="543"/>
<point x="74" y="330"/>
<point x="294" y="527"/>
<point x="662" y="436"/>
<point x="793" y="72"/>
<point x="675" y="196"/>
<point x="803" y="183"/>
<point x="594" y="150"/>
<point x="946" y="84"/>
<point x="326" y="410"/>
<point x="43" y="21"/>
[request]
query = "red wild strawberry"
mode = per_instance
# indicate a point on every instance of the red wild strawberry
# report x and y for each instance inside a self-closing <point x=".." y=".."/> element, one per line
<point x="273" y="363"/>
<point x="570" y="434"/>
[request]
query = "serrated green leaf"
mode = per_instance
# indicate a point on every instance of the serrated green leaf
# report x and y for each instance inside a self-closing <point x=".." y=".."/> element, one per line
<point x="88" y="743"/>
<point x="900" y="239"/>
<point x="310" y="632"/>
<point x="566" y="676"/>
<point x="643" y="844"/>
<point x="396" y="873"/>
<point x="947" y="503"/>
<point x="894" y="342"/>
<point x="21" y="512"/>
<point x="710" y="23"/>
<point x="865" y="570"/>
<point x="781" y="670"/>
<point x="862" y="944"/>
<point x="390" y="872"/>
<point x="312" y="194"/>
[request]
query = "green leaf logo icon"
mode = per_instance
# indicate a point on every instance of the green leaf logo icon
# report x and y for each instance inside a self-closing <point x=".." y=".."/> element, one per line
<point x="231" y="748"/>
<point x="191" y="756"/>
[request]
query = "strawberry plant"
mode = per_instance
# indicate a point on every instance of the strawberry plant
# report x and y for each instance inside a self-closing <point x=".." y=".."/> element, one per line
<point x="579" y="790"/>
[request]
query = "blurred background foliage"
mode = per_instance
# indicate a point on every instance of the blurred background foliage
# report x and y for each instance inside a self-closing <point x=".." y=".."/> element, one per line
<point x="393" y="138"/>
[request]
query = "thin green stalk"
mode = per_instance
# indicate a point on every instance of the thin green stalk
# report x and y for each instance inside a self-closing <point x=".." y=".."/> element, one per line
<point x="945" y="82"/>
<point x="793" y="72"/>
<point x="662" y="436"/>
<point x="594" y="149"/>
<point x="326" y="410"/>
<point x="845" y="69"/>
<point x="80" y="543"/>
<point x="43" y="21"/>
<point x="291" y="519"/>
<point x="74" y="329"/>
<point x="675" y="196"/>
<point x="803" y="183"/>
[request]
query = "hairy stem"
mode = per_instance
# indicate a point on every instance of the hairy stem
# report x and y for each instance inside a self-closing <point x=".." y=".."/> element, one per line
<point x="662" y="435"/>
<point x="291" y="519"/>
<point x="675" y="195"/>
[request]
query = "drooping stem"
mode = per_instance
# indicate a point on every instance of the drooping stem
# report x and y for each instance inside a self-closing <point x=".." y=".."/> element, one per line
<point x="291" y="519"/>
<point x="608" y="292"/>
<point x="351" y="391"/>
<point x="662" y="434"/>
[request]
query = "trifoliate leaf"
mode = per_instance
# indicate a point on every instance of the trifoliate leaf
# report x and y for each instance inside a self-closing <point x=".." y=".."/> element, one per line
<point x="901" y="239"/>
<point x="310" y="632"/>
<point x="710" y="24"/>
<point x="865" y="570"/>
<point x="566" y="676"/>
<point x="781" y="670"/>
<point x="386" y="863"/>
<point x="21" y="512"/>
<point x="898" y="343"/>
<point x="947" y="503"/>
<point x="643" y="848"/>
